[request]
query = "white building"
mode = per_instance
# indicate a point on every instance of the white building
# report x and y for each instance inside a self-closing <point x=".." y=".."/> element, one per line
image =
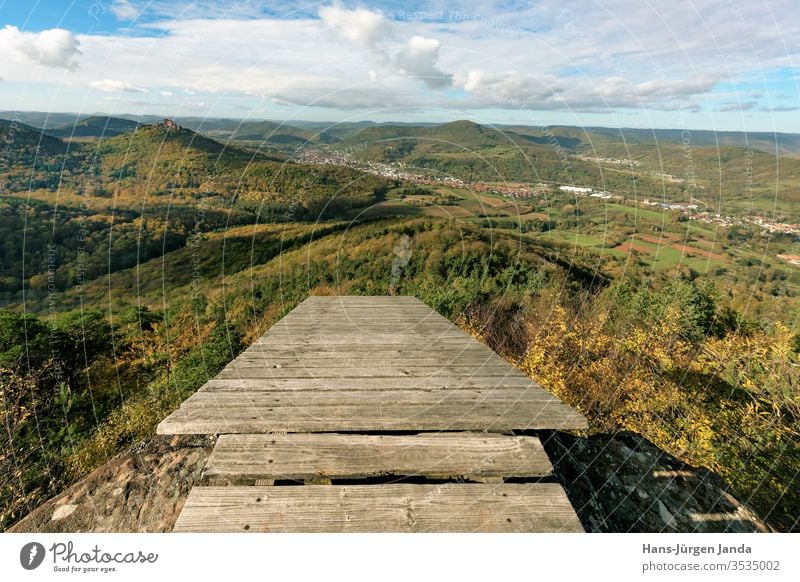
<point x="575" y="189"/>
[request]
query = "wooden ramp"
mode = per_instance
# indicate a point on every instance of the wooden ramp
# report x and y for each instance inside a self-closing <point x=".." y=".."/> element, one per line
<point x="373" y="414"/>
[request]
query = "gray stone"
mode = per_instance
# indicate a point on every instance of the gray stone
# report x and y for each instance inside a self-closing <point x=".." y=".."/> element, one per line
<point x="142" y="490"/>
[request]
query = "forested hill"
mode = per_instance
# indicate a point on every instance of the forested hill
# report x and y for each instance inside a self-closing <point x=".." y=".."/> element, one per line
<point x="91" y="208"/>
<point x="20" y="143"/>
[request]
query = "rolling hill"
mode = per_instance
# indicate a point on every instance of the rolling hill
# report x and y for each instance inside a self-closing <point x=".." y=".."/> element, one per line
<point x="21" y="142"/>
<point x="637" y="163"/>
<point x="94" y="126"/>
<point x="269" y="133"/>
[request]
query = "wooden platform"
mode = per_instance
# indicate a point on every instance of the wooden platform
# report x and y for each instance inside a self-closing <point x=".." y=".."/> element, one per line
<point x="359" y="389"/>
<point x="246" y="459"/>
<point x="448" y="507"/>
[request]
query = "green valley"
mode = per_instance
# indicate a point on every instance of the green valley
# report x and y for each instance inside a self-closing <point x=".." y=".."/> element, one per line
<point x="137" y="262"/>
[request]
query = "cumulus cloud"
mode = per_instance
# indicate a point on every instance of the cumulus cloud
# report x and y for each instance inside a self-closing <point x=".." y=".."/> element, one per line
<point x="619" y="92"/>
<point x="369" y="29"/>
<point x="547" y="92"/>
<point x="602" y="59"/>
<point x="361" y="26"/>
<point x="114" y="86"/>
<point x="419" y="58"/>
<point x="509" y="89"/>
<point x="52" y="48"/>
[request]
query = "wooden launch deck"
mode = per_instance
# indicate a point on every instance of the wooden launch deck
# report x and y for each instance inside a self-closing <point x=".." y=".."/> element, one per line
<point x="373" y="414"/>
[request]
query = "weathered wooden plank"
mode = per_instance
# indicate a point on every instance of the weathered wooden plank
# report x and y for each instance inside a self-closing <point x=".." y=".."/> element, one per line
<point x="452" y="413"/>
<point x="316" y="340"/>
<point x="449" y="507"/>
<point x="425" y="383"/>
<point x="422" y="315"/>
<point x="445" y="371"/>
<point x="270" y="399"/>
<point x="447" y="416"/>
<point x="412" y="322"/>
<point x="352" y="299"/>
<point x="370" y="316"/>
<point x="244" y="459"/>
<point x="404" y="315"/>
<point x="338" y="344"/>
<point x="429" y="377"/>
<point x="367" y="351"/>
<point x="409" y="312"/>
<point x="262" y="361"/>
<point x="344" y="326"/>
<point x="378" y="336"/>
<point x="404" y="320"/>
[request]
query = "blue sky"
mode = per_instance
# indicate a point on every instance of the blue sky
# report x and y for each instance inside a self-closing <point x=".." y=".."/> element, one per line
<point x="702" y="64"/>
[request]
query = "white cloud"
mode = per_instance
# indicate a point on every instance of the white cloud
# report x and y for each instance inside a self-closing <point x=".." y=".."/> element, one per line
<point x="52" y="48"/>
<point x="609" y="58"/>
<point x="677" y="87"/>
<point x="419" y="58"/>
<point x="510" y="88"/>
<point x="124" y="10"/>
<point x="113" y="86"/>
<point x="370" y="29"/>
<point x="361" y="26"/>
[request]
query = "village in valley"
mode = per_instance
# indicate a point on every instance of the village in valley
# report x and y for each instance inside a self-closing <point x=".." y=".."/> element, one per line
<point x="692" y="210"/>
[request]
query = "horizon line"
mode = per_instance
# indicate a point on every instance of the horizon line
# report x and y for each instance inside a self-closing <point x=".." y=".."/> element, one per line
<point x="289" y="123"/>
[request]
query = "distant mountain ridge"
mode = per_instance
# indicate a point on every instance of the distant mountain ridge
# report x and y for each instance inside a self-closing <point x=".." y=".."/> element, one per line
<point x="301" y="131"/>
<point x="94" y="126"/>
<point x="266" y="131"/>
